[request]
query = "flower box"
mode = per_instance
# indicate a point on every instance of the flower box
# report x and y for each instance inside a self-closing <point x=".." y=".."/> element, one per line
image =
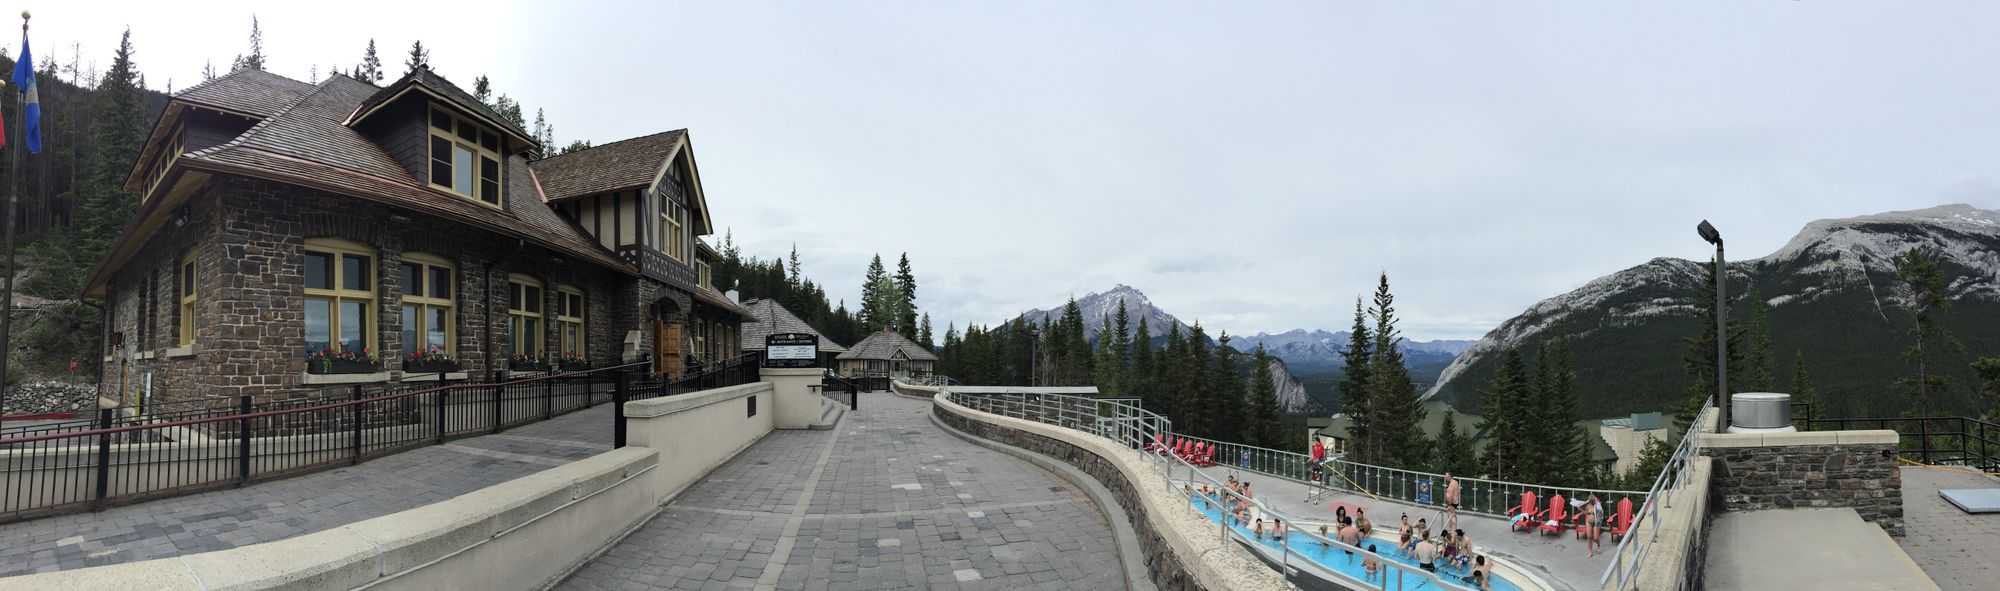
<point x="335" y="365"/>
<point x="430" y="366"/>
<point x="527" y="365"/>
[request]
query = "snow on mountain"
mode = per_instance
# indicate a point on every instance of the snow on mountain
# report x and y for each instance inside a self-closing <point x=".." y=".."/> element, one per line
<point x="1319" y="349"/>
<point x="1099" y="309"/>
<point x="1835" y="260"/>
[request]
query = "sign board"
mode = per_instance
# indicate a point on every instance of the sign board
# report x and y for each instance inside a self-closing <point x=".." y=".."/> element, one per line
<point x="791" y="349"/>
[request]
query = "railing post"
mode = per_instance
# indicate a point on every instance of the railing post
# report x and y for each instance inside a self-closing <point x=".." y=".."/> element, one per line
<point x="618" y="411"/>
<point x="355" y="446"/>
<point x="243" y="441"/>
<point x="498" y="390"/>
<point x="441" y="395"/>
<point x="549" y="400"/>
<point x="1924" y="433"/>
<point x="103" y="457"/>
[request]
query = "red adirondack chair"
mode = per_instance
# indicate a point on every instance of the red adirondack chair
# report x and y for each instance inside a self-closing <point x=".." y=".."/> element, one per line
<point x="1621" y="523"/>
<point x="1527" y="509"/>
<point x="1558" y="511"/>
<point x="1207" y="455"/>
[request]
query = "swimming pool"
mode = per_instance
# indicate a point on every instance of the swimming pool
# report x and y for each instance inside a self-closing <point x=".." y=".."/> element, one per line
<point x="1333" y="558"/>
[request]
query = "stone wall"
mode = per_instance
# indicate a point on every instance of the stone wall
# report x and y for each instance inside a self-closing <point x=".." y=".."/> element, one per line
<point x="248" y="236"/>
<point x="1166" y="569"/>
<point x="1818" y="469"/>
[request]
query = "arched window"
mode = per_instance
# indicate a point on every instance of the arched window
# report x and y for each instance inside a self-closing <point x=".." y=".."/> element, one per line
<point x="339" y="297"/>
<point x="570" y="323"/>
<point x="524" y="316"/>
<point x="429" y="327"/>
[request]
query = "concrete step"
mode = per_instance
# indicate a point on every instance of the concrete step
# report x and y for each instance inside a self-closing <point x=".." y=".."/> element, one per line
<point x="829" y="415"/>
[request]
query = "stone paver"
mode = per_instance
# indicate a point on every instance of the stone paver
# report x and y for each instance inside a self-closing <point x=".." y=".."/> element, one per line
<point x="1954" y="547"/>
<point x="280" y="509"/>
<point x="898" y="504"/>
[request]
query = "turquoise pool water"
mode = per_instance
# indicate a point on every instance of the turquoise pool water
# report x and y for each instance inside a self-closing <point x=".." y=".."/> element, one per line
<point x="1334" y="559"/>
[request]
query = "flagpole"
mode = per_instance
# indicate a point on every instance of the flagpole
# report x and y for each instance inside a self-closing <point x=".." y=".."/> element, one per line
<point x="13" y="198"/>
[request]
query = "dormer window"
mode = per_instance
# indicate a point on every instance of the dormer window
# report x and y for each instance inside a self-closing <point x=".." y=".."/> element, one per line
<point x="465" y="157"/>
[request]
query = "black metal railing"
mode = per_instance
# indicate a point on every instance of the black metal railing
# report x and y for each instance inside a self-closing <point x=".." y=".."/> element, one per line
<point x="119" y="461"/>
<point x="742" y="369"/>
<point x="1951" y="441"/>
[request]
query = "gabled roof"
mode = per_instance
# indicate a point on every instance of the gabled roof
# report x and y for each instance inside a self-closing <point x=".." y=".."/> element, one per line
<point x="884" y="345"/>
<point x="307" y="144"/>
<point x="247" y="91"/>
<point x="427" y="82"/>
<point x="711" y="297"/>
<point x="768" y="318"/>
<point x="623" y="164"/>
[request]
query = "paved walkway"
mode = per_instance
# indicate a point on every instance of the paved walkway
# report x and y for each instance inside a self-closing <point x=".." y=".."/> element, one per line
<point x="1954" y="547"/>
<point x="280" y="509"/>
<point x="1558" y="559"/>
<point x="885" y="501"/>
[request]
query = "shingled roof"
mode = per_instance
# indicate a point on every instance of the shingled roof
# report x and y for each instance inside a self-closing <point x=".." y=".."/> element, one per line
<point x="769" y="318"/>
<point x="883" y="345"/>
<point x="307" y="143"/>
<point x="622" y="164"/>
<point x="441" y="88"/>
<point x="248" y="91"/>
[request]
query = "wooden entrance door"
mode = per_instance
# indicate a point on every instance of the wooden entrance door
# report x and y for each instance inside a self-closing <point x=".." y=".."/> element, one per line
<point x="667" y="349"/>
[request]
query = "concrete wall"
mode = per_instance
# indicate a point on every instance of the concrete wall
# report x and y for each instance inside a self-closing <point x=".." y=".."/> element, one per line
<point x="1182" y="549"/>
<point x="1679" y="546"/>
<point x="798" y="406"/>
<point x="697" y="432"/>
<point x="522" y="534"/>
<point x="1811" y="469"/>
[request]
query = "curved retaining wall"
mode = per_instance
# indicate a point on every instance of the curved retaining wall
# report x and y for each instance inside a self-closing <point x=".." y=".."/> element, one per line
<point x="1183" y="550"/>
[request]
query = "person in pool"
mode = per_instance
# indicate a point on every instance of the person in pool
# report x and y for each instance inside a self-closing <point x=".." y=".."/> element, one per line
<point x="1361" y="522"/>
<point x="1323" y="536"/>
<point x="1427" y="555"/>
<point x="1351" y="537"/>
<point x="1482" y="574"/>
<point x="1372" y="564"/>
<point x="1259" y="530"/>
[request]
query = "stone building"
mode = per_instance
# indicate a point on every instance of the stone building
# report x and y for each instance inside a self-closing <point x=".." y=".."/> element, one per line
<point x="290" y="236"/>
<point x="886" y="354"/>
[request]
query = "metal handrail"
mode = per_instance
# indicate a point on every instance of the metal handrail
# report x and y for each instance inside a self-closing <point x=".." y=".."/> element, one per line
<point x="1137" y="428"/>
<point x="1671" y="477"/>
<point x="1478" y="495"/>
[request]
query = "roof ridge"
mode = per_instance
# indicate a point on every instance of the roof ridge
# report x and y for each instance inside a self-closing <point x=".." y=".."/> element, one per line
<point x="610" y="144"/>
<point x="243" y="72"/>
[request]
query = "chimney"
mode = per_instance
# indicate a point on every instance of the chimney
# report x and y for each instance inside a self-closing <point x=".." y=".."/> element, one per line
<point x="732" y="295"/>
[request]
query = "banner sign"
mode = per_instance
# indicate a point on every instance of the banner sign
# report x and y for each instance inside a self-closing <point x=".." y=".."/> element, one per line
<point x="791" y="349"/>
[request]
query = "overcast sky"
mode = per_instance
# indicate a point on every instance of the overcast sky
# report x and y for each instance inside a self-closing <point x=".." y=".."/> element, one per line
<point x="1252" y="168"/>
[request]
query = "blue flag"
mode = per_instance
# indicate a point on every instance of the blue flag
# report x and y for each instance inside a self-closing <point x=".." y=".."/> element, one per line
<point x="31" y="97"/>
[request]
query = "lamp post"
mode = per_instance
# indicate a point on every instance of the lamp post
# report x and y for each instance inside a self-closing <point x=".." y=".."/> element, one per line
<point x="1722" y="398"/>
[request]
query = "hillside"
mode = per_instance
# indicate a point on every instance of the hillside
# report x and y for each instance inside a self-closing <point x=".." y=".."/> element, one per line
<point x="1099" y="308"/>
<point x="1833" y="296"/>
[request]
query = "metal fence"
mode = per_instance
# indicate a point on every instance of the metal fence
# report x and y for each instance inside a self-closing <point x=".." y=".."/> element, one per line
<point x="742" y="369"/>
<point x="1125" y="422"/>
<point x="1630" y="556"/>
<point x="118" y="462"/>
<point x="1949" y="441"/>
<point x="1476" y="495"/>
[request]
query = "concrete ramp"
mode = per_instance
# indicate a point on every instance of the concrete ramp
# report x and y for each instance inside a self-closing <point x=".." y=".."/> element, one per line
<point x="1806" y="549"/>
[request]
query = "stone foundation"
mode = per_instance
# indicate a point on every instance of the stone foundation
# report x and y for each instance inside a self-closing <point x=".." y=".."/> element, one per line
<point x="1854" y="469"/>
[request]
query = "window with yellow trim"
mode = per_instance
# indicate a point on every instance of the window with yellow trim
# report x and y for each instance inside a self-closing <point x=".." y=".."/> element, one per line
<point x="702" y="273"/>
<point x="673" y="229"/>
<point x="185" y="328"/>
<point x="571" y="331"/>
<point x="430" y="329"/>
<point x="464" y="156"/>
<point x="339" y="298"/>
<point x="524" y="317"/>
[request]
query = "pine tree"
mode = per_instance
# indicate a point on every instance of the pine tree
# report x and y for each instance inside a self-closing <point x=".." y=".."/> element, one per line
<point x="418" y="57"/>
<point x="1453" y="452"/>
<point x="1353" y="390"/>
<point x="482" y="89"/>
<point x="1075" y="363"/>
<point x="1105" y="376"/>
<point x="1757" y="371"/>
<point x="924" y="332"/>
<point x="1173" y="386"/>
<point x="1802" y="386"/>
<point x="255" y="59"/>
<point x="906" y="294"/>
<point x="1988" y="369"/>
<point x="873" y="317"/>
<point x="1508" y="413"/>
<point x="545" y="134"/>
<point x="370" y="70"/>
<point x="510" y="109"/>
<point x="1923" y="288"/>
<point x="208" y="70"/>
<point x="1201" y="384"/>
<point x="1264" y="429"/>
<point x="1121" y="350"/>
<point x="1141" y="379"/>
<point x="1556" y="450"/>
<point x="1398" y="415"/>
